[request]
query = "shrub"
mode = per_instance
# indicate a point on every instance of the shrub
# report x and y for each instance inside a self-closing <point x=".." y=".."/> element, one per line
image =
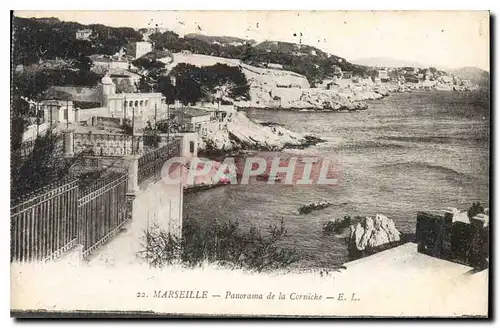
<point x="127" y="126"/>
<point x="222" y="243"/>
<point x="474" y="210"/>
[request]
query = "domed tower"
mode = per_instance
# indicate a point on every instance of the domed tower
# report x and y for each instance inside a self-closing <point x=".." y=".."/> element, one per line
<point x="108" y="88"/>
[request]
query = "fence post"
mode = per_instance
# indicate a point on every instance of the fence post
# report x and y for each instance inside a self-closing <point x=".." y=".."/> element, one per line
<point x="133" y="174"/>
<point x="132" y="185"/>
<point x="140" y="143"/>
<point x="189" y="145"/>
<point x="77" y="115"/>
<point x="68" y="143"/>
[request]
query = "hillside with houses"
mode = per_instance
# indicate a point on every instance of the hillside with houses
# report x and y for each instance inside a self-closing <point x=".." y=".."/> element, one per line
<point x="137" y="58"/>
<point x="101" y="71"/>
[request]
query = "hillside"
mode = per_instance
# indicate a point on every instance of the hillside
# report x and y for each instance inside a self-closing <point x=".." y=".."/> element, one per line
<point x="302" y="59"/>
<point x="218" y="39"/>
<point x="261" y="80"/>
<point x="474" y="74"/>
<point x="48" y="38"/>
<point x="310" y="61"/>
<point x="294" y="49"/>
<point x="387" y="62"/>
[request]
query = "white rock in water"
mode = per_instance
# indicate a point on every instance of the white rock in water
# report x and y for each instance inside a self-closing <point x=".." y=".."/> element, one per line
<point x="374" y="232"/>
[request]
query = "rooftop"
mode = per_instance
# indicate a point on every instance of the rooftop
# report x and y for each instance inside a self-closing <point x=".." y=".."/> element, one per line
<point x="135" y="95"/>
<point x="194" y="112"/>
<point x="122" y="72"/>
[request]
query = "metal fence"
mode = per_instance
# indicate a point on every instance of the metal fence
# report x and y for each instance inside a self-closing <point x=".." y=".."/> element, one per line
<point x="45" y="225"/>
<point x="50" y="221"/>
<point x="101" y="212"/>
<point x="58" y="217"/>
<point x="150" y="164"/>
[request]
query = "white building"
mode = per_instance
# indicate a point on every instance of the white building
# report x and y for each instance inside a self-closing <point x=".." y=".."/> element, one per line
<point x="193" y="119"/>
<point x="121" y="77"/>
<point x="83" y="34"/>
<point x="58" y="111"/>
<point x="127" y="105"/>
<point x="383" y="74"/>
<point x="141" y="48"/>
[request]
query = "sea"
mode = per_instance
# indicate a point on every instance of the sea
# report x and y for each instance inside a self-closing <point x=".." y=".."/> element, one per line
<point x="407" y="152"/>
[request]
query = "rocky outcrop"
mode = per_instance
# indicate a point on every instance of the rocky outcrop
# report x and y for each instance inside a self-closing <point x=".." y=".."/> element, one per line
<point x="241" y="133"/>
<point x="372" y="233"/>
<point x="317" y="99"/>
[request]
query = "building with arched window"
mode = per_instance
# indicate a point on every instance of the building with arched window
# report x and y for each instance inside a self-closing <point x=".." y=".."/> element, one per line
<point x="128" y="104"/>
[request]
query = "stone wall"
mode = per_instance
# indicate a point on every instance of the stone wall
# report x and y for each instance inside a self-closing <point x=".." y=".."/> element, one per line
<point x="108" y="144"/>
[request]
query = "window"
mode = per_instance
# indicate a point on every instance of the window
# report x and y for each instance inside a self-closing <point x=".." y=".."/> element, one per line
<point x="142" y="103"/>
<point x="191" y="146"/>
<point x="131" y="103"/>
<point x="146" y="103"/>
<point x="136" y="103"/>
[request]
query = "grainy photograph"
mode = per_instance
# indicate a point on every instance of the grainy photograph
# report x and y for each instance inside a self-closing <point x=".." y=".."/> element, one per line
<point x="323" y="164"/>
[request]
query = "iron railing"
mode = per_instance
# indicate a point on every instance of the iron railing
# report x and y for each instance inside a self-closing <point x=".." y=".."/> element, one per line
<point x="45" y="225"/>
<point x="52" y="220"/>
<point x="150" y="164"/>
<point x="101" y="212"/>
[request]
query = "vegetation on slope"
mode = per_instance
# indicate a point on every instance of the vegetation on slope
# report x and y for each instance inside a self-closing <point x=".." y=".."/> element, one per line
<point x="224" y="243"/>
<point x="35" y="39"/>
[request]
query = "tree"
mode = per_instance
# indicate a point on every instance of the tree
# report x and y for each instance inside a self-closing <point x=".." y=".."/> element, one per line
<point x="166" y="40"/>
<point x="226" y="81"/>
<point x="187" y="83"/>
<point x="24" y="87"/>
<point x="167" y="89"/>
<point x="148" y="63"/>
<point x="19" y="120"/>
<point x="40" y="168"/>
<point x="35" y="39"/>
<point x="219" y="81"/>
<point x="188" y="90"/>
<point x="144" y="84"/>
<point x="124" y="86"/>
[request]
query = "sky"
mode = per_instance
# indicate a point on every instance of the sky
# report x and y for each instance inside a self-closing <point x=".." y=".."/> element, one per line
<point x="449" y="39"/>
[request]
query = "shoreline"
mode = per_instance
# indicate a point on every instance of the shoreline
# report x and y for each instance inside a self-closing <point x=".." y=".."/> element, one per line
<point x="309" y="141"/>
<point x="345" y="109"/>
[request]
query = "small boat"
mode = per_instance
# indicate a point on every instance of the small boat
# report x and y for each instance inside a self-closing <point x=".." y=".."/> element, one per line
<point x="267" y="177"/>
<point x="314" y="206"/>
